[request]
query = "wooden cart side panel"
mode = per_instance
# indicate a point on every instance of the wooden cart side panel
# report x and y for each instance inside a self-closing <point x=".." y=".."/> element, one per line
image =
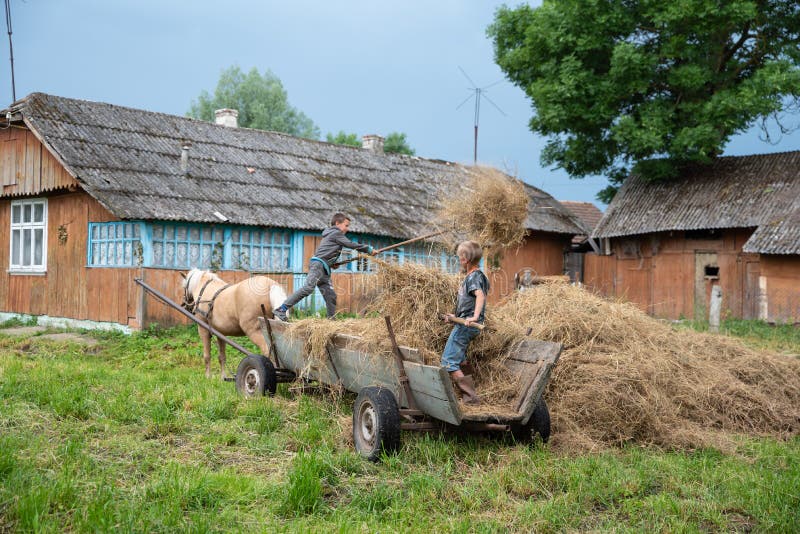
<point x="358" y="370"/>
<point x="548" y="354"/>
<point x="433" y="391"/>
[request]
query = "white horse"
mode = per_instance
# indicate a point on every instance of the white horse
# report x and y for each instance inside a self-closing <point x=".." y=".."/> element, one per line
<point x="232" y="309"/>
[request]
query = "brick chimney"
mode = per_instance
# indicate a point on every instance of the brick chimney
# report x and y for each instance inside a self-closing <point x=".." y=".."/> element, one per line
<point x="227" y="117"/>
<point x="373" y="143"/>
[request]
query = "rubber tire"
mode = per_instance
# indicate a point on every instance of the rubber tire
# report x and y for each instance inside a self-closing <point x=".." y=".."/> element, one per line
<point x="255" y="377"/>
<point x="539" y="423"/>
<point x="376" y="423"/>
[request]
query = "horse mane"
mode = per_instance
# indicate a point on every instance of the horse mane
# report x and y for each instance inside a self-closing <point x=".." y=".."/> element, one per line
<point x="194" y="276"/>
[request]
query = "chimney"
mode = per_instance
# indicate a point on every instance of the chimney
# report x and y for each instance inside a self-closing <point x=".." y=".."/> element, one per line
<point x="185" y="157"/>
<point x="373" y="143"/>
<point x="227" y="117"/>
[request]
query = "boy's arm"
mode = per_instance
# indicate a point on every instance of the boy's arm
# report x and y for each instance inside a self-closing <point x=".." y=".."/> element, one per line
<point x="480" y="300"/>
<point x="361" y="247"/>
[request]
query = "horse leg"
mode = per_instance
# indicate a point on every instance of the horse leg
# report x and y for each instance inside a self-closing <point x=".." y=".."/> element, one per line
<point x="257" y="337"/>
<point x="221" y="346"/>
<point x="205" y="337"/>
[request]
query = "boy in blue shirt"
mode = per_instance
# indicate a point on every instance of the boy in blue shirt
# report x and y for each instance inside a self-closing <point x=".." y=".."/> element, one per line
<point x="319" y="269"/>
<point x="470" y="306"/>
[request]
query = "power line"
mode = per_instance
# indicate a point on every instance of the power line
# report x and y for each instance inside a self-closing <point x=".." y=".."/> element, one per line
<point x="11" y="50"/>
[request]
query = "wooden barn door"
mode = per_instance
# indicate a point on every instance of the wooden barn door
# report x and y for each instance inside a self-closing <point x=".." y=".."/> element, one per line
<point x="752" y="270"/>
<point x="704" y="265"/>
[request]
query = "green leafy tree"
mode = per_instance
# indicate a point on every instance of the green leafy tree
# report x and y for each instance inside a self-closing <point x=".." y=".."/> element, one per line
<point x="396" y="143"/>
<point x="343" y="138"/>
<point x="261" y="101"/>
<point x="647" y="86"/>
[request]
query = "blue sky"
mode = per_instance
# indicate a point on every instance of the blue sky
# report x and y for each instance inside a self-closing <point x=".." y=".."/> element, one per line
<point x="358" y="66"/>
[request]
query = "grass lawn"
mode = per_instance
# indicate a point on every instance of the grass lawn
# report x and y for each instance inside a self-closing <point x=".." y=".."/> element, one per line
<point x="130" y="436"/>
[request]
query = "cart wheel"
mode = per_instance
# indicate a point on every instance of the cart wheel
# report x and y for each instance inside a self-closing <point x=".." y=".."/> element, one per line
<point x="376" y="423"/>
<point x="255" y="377"/>
<point x="539" y="423"/>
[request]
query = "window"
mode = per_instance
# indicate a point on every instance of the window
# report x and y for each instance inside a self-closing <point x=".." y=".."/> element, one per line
<point x="28" y="236"/>
<point x="115" y="244"/>
<point x="260" y="250"/>
<point x="183" y="246"/>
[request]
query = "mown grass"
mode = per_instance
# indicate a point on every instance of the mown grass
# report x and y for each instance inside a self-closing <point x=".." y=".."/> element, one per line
<point x="130" y="436"/>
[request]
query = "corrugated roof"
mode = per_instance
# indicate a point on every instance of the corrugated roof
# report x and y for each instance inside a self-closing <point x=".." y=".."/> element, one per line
<point x="129" y="160"/>
<point x="779" y="236"/>
<point x="733" y="192"/>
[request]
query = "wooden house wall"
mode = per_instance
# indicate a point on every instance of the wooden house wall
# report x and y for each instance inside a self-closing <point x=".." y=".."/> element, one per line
<point x="27" y="167"/>
<point x="541" y="251"/>
<point x="663" y="273"/>
<point x="68" y="288"/>
<point x="782" y="274"/>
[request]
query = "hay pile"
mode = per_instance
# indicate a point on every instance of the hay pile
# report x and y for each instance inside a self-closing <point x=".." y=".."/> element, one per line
<point x="622" y="377"/>
<point x="491" y="209"/>
<point x="626" y="377"/>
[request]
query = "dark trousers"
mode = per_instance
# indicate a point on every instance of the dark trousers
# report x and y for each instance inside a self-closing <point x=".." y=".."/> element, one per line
<point x="317" y="277"/>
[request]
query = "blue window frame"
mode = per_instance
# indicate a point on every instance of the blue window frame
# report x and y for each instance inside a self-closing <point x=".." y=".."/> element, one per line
<point x="260" y="250"/>
<point x="182" y="246"/>
<point x="115" y="244"/>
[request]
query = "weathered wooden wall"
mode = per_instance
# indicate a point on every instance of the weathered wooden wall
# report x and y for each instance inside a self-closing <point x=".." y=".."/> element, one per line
<point x="664" y="275"/>
<point x="782" y="275"/>
<point x="26" y="167"/>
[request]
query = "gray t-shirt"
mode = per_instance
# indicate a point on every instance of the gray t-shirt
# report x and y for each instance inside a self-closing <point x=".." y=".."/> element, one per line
<point x="465" y="306"/>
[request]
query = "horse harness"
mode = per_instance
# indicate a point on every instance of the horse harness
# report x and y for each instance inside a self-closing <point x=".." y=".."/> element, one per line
<point x="193" y="306"/>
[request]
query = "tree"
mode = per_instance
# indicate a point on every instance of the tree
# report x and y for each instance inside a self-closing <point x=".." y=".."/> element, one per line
<point x="261" y="101"/>
<point x="648" y="86"/>
<point x="342" y="138"/>
<point x="395" y="143"/>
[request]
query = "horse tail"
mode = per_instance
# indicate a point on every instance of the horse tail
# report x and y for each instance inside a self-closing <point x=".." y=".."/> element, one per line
<point x="277" y="295"/>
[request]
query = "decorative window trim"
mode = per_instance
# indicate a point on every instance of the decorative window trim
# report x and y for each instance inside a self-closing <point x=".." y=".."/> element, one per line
<point x="260" y="250"/>
<point x="17" y="263"/>
<point x="115" y="244"/>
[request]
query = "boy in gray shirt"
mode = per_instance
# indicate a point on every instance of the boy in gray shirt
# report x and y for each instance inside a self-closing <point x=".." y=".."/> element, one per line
<point x="319" y="269"/>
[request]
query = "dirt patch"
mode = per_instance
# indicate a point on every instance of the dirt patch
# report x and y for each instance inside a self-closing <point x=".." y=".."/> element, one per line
<point x="71" y="337"/>
<point x="23" y="330"/>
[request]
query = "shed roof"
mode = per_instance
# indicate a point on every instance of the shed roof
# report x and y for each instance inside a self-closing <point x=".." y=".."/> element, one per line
<point x="760" y="192"/>
<point x="130" y="161"/>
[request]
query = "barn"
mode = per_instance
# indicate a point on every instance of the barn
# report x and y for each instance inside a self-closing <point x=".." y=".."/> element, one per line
<point x="97" y="195"/>
<point x="734" y="224"/>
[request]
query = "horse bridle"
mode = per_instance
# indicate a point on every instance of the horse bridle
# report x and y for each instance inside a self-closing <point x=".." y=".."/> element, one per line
<point x="192" y="305"/>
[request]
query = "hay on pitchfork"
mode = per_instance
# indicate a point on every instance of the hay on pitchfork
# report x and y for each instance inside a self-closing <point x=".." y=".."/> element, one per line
<point x="491" y="208"/>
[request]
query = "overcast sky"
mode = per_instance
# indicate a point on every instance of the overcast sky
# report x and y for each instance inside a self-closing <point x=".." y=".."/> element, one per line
<point x="358" y="66"/>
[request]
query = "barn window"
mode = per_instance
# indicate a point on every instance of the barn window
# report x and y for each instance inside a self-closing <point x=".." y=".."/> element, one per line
<point x="28" y="236"/>
<point x="115" y="244"/>
<point x="183" y="246"/>
<point x="253" y="249"/>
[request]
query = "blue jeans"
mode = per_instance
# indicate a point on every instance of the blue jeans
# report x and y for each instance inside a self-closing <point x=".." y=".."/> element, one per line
<point x="455" y="351"/>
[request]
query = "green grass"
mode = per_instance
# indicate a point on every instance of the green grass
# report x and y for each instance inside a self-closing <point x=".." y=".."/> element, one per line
<point x="130" y="436"/>
<point x="758" y="334"/>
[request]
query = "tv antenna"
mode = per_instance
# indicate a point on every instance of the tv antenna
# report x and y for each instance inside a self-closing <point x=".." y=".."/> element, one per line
<point x="478" y="93"/>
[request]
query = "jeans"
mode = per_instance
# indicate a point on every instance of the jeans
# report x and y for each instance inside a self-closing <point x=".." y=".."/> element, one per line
<point x="455" y="351"/>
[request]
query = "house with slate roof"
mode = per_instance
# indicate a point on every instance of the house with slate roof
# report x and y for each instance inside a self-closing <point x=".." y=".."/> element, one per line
<point x="96" y="195"/>
<point x="735" y="224"/>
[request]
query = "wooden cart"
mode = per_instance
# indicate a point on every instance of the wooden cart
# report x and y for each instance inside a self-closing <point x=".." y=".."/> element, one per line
<point x="405" y="394"/>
